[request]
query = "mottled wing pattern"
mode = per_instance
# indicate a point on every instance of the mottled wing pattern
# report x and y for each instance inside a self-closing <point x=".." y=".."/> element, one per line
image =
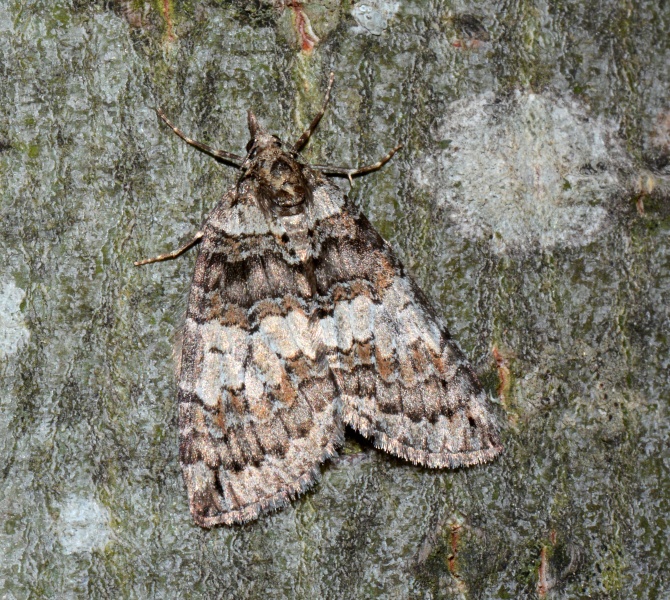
<point x="256" y="397"/>
<point x="402" y="381"/>
<point x="297" y="325"/>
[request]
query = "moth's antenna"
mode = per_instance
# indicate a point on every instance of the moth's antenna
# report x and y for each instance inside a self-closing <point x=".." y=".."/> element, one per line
<point x="360" y="171"/>
<point x="174" y="254"/>
<point x="304" y="138"/>
<point x="218" y="154"/>
<point x="254" y="127"/>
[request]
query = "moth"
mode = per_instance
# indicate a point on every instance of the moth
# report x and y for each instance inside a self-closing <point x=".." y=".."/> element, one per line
<point x="301" y="321"/>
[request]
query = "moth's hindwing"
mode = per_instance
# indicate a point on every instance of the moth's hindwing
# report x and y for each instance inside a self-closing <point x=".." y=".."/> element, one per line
<point x="298" y="325"/>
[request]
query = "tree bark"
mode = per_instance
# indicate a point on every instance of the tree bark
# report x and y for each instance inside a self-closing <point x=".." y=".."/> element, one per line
<point x="530" y="202"/>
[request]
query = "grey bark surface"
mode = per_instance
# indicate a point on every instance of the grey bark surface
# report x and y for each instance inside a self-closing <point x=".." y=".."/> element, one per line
<point x="531" y="203"/>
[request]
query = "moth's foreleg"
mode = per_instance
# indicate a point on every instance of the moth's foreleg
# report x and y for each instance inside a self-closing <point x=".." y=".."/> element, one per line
<point x="304" y="138"/>
<point x="173" y="254"/>
<point x="360" y="171"/>
<point x="220" y="154"/>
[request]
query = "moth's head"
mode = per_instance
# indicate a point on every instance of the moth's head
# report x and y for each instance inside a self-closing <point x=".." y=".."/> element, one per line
<point x="260" y="139"/>
<point x="281" y="181"/>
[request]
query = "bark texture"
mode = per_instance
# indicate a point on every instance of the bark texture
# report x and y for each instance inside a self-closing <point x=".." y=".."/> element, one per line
<point x="531" y="202"/>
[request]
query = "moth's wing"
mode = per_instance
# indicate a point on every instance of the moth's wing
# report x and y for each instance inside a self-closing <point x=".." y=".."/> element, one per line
<point x="403" y="381"/>
<point x="256" y="410"/>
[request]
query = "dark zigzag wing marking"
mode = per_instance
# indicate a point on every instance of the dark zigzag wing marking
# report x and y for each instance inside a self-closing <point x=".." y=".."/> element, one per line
<point x="256" y="419"/>
<point x="402" y="380"/>
<point x="257" y="412"/>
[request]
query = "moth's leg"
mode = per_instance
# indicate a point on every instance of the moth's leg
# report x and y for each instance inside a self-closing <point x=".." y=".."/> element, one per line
<point x="173" y="254"/>
<point x="220" y="154"/>
<point x="304" y="138"/>
<point x="360" y="171"/>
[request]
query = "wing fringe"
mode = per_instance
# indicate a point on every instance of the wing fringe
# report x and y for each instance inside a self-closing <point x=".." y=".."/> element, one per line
<point x="418" y="457"/>
<point x="275" y="501"/>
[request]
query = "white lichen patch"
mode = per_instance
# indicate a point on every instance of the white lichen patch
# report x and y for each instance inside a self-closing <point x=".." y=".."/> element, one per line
<point x="373" y="16"/>
<point x="531" y="169"/>
<point x="83" y="525"/>
<point x="13" y="331"/>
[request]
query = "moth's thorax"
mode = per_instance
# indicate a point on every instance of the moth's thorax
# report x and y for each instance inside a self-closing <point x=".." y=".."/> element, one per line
<point x="283" y="184"/>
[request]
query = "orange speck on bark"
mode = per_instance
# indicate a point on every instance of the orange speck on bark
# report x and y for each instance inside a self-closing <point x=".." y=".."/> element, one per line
<point x="308" y="38"/>
<point x="167" y="13"/>
<point x="542" y="582"/>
